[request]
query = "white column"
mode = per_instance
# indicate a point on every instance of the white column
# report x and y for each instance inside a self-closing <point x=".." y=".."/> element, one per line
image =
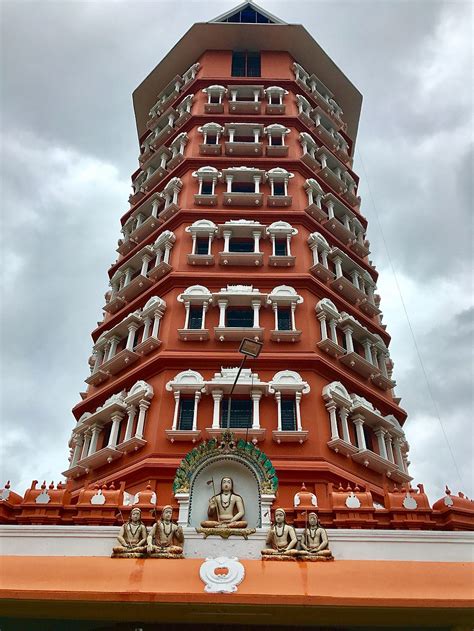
<point x="187" y="309"/>
<point x="398" y="454"/>
<point x="77" y="449"/>
<point x="333" y="328"/>
<point x="331" y="408"/>
<point x="298" y="396"/>
<point x="227" y="235"/>
<point x="293" y="321"/>
<point x="146" y="328"/>
<point x="343" y="414"/>
<point x="322" y="322"/>
<point x="278" y="400"/>
<point x="166" y="256"/>
<point x="256" y="241"/>
<point x="177" y="396"/>
<point x="275" y="311"/>
<point x="216" y="417"/>
<point x="256" y="313"/>
<point x="359" y="422"/>
<point x="256" y="396"/>
<point x="85" y="446"/>
<point x="388" y="447"/>
<point x="380" y="433"/>
<point x="156" y="323"/>
<point x="367" y="350"/>
<point x="348" y="333"/>
<point x="338" y="265"/>
<point x="116" y="418"/>
<point x="93" y="444"/>
<point x="113" y="346"/>
<point x="143" y="407"/>
<point x="197" y="397"/>
<point x="132" y="411"/>
<point x="222" y="306"/>
<point x="132" y="329"/>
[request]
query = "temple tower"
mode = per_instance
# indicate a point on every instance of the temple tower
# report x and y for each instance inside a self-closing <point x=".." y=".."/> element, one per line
<point x="244" y="222"/>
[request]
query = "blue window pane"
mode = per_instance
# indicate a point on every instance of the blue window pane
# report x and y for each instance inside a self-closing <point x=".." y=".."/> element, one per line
<point x="186" y="414"/>
<point x="284" y="319"/>
<point x="241" y="245"/>
<point x="241" y="415"/>
<point x="288" y="414"/>
<point x="239" y="317"/>
<point x="195" y="317"/>
<point x="280" y="247"/>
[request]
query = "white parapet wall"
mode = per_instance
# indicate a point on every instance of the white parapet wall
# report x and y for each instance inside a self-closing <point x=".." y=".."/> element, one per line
<point x="346" y="544"/>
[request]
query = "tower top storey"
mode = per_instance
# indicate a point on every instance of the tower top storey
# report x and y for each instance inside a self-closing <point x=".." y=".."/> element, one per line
<point x="226" y="33"/>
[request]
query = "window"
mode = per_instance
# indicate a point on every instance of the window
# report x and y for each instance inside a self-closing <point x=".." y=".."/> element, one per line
<point x="243" y="187"/>
<point x="202" y="245"/>
<point x="239" y="317"/>
<point x="288" y="414"/>
<point x="368" y="437"/>
<point x="246" y="64"/>
<point x="241" y="415"/>
<point x="279" y="188"/>
<point x="207" y="187"/>
<point x="241" y="245"/>
<point x="284" y="319"/>
<point x="186" y="413"/>
<point x="195" y="317"/>
<point x="280" y="247"/>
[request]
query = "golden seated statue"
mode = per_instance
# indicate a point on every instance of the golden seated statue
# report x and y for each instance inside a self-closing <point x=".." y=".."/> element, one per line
<point x="132" y="538"/>
<point x="281" y="539"/>
<point x="165" y="539"/>
<point x="226" y="509"/>
<point x="314" y="541"/>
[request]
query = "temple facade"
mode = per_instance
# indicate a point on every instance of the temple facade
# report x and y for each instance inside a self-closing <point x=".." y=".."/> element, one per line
<point x="245" y="224"/>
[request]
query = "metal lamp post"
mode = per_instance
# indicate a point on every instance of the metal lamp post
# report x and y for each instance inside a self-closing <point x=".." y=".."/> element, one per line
<point x="248" y="348"/>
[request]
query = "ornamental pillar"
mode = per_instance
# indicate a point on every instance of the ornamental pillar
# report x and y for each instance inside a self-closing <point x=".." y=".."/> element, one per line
<point x="197" y="397"/>
<point x="298" y="396"/>
<point x="177" y="396"/>
<point x="331" y="408"/>
<point x="278" y="400"/>
<point x="256" y="313"/>
<point x="380" y="433"/>
<point x="322" y="322"/>
<point x="222" y="309"/>
<point x="348" y="335"/>
<point x="256" y="396"/>
<point x="132" y="412"/>
<point x="132" y="329"/>
<point x="343" y="414"/>
<point x="358" y="421"/>
<point x="216" y="416"/>
<point x="116" y="418"/>
<point x="143" y="407"/>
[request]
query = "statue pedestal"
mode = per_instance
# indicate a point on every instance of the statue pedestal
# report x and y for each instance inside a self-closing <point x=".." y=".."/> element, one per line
<point x="225" y="532"/>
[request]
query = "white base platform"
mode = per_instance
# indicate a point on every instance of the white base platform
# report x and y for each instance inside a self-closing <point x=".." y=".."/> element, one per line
<point x="346" y="544"/>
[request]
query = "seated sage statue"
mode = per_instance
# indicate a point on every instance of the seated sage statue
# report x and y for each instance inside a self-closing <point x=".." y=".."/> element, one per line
<point x="132" y="537"/>
<point x="314" y="541"/>
<point x="226" y="509"/>
<point x="281" y="538"/>
<point x="165" y="538"/>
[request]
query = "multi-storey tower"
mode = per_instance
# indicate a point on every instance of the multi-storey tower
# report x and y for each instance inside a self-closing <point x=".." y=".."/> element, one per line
<point x="244" y="221"/>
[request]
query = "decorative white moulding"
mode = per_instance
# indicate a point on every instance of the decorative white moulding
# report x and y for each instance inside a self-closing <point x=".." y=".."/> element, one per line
<point x="221" y="575"/>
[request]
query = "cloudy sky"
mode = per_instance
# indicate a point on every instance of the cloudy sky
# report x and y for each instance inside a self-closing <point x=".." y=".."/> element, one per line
<point x="69" y="147"/>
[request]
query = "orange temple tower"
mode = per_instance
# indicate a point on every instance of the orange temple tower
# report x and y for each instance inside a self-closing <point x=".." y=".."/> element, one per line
<point x="244" y="223"/>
